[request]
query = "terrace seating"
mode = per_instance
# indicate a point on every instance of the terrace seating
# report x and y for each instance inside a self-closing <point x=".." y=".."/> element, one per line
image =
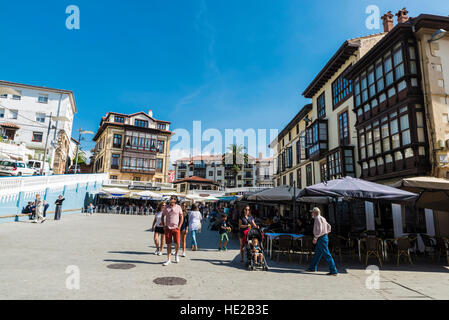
<point x="429" y="244"/>
<point x="403" y="248"/>
<point x="284" y="245"/>
<point x="373" y="247"/>
<point x="442" y="246"/>
<point x="307" y="248"/>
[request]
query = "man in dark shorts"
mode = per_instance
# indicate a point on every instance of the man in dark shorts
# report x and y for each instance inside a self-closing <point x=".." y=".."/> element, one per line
<point x="172" y="219"/>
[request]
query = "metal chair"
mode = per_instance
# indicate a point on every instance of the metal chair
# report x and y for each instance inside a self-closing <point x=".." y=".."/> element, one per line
<point x="442" y="246"/>
<point x="284" y="245"/>
<point x="373" y="247"/>
<point x="429" y="243"/>
<point x="403" y="249"/>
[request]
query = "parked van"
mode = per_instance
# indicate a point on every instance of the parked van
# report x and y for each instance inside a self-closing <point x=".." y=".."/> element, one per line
<point x="40" y="168"/>
<point x="15" y="168"/>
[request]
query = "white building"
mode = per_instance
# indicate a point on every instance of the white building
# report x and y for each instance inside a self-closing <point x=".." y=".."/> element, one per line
<point x="25" y="119"/>
<point x="258" y="172"/>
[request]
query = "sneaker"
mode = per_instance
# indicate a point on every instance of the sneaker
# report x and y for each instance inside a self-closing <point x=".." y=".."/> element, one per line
<point x="225" y="249"/>
<point x="159" y="253"/>
<point x="219" y="249"/>
<point x="183" y="254"/>
<point x="168" y="262"/>
<point x="332" y="274"/>
<point x="156" y="252"/>
<point x="176" y="258"/>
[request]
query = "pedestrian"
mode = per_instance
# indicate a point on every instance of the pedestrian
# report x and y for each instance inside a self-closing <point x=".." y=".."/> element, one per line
<point x="321" y="229"/>
<point x="39" y="209"/>
<point x="184" y="228"/>
<point x="245" y="223"/>
<point x="58" y="209"/>
<point x="158" y="229"/>
<point x="90" y="209"/>
<point x="172" y="219"/>
<point x="46" y="206"/>
<point x="223" y="231"/>
<point x="195" y="225"/>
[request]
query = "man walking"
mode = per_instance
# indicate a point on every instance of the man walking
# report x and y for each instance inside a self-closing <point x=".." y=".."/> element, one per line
<point x="320" y="231"/>
<point x="172" y="219"/>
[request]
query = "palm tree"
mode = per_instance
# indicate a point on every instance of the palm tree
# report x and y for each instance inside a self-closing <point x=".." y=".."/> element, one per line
<point x="236" y="157"/>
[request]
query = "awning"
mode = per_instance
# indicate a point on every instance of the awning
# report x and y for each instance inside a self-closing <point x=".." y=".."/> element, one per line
<point x="434" y="192"/>
<point x="353" y="188"/>
<point x="147" y="195"/>
<point x="283" y="193"/>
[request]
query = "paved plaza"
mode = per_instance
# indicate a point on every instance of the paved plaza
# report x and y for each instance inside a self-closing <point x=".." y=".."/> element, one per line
<point x="34" y="259"/>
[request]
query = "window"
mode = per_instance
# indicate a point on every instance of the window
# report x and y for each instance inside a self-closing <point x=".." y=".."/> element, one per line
<point x="364" y="87"/>
<point x="37" y="136"/>
<point x="341" y="89"/>
<point x="40" y="117"/>
<point x="13" y="114"/>
<point x="141" y="123"/>
<point x="17" y="97"/>
<point x="291" y="179"/>
<point x="117" y="142"/>
<point x="162" y="126"/>
<point x="321" y="105"/>
<point x="42" y="98"/>
<point x="113" y="177"/>
<point x="160" y="146"/>
<point x="119" y="119"/>
<point x="371" y="82"/>
<point x="309" y="174"/>
<point x="298" y="151"/>
<point x="317" y="138"/>
<point x="115" y="161"/>
<point x="211" y="173"/>
<point x="343" y="128"/>
<point x="323" y="171"/>
<point x="219" y="173"/>
<point x="4" y="96"/>
<point x="298" y="179"/>
<point x="2" y="113"/>
<point x="159" y="165"/>
<point x="289" y="157"/>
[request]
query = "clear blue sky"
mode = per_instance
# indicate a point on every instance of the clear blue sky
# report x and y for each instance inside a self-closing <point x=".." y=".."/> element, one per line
<point x="231" y="64"/>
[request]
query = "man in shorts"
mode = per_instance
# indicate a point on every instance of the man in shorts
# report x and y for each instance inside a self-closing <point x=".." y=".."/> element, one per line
<point x="172" y="218"/>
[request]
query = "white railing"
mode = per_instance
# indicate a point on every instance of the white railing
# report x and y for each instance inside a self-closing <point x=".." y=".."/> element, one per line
<point x="12" y="185"/>
<point x="127" y="183"/>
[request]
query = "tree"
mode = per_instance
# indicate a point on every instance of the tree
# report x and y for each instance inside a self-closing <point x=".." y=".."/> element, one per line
<point x="236" y="158"/>
<point x="81" y="157"/>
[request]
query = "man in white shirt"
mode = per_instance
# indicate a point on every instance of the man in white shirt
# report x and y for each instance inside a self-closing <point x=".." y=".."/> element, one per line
<point x="320" y="231"/>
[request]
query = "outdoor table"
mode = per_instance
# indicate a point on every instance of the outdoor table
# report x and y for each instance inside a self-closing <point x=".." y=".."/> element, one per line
<point x="271" y="236"/>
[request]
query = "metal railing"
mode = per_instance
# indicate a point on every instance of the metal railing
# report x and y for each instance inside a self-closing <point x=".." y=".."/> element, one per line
<point x="11" y="185"/>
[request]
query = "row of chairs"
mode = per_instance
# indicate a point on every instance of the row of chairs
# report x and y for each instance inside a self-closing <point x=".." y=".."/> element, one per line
<point x="372" y="247"/>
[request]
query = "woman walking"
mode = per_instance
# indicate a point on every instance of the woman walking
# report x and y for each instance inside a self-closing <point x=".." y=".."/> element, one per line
<point x="39" y="209"/>
<point x="158" y="229"/>
<point x="58" y="209"/>
<point x="194" y="225"/>
<point x="245" y="222"/>
<point x="184" y="228"/>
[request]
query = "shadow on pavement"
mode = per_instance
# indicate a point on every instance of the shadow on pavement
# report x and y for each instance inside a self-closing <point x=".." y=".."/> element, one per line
<point x="130" y="252"/>
<point x="131" y="261"/>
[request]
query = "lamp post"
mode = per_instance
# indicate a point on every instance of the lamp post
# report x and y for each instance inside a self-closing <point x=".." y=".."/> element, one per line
<point x="81" y="131"/>
<point x="48" y="132"/>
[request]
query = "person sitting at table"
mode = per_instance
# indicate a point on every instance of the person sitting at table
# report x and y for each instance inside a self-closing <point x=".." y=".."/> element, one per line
<point x="300" y="226"/>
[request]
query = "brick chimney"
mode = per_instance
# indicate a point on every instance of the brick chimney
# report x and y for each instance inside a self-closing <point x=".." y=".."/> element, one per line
<point x="402" y="15"/>
<point x="150" y="113"/>
<point x="388" y="21"/>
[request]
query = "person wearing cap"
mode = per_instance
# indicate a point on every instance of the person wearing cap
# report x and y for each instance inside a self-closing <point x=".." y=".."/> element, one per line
<point x="172" y="219"/>
<point x="321" y="229"/>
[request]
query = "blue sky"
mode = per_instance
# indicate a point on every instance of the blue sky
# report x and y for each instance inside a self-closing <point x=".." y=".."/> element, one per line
<point x="230" y="64"/>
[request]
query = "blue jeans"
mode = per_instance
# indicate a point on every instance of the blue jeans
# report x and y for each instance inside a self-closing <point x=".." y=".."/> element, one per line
<point x="193" y="233"/>
<point x="322" y="249"/>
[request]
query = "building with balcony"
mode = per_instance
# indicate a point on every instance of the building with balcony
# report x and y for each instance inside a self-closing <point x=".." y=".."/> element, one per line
<point x="25" y="116"/>
<point x="133" y="147"/>
<point x="211" y="167"/>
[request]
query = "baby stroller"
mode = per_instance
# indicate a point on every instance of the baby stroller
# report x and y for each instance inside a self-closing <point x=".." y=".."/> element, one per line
<point x="250" y="262"/>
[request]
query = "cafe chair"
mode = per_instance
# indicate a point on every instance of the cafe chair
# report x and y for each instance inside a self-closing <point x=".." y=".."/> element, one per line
<point x="429" y="244"/>
<point x="373" y="248"/>
<point x="442" y="248"/>
<point x="403" y="249"/>
<point x="307" y="248"/>
<point x="284" y="246"/>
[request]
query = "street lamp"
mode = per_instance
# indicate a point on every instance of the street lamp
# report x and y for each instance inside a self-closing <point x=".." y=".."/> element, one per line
<point x="63" y="119"/>
<point x="81" y="131"/>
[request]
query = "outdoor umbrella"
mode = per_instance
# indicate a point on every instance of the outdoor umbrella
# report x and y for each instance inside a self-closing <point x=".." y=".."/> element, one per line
<point x="116" y="192"/>
<point x="148" y="194"/>
<point x="353" y="188"/>
<point x="283" y="193"/>
<point x="433" y="192"/>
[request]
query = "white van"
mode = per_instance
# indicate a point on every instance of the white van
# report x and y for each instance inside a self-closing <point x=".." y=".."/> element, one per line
<point x="15" y="168"/>
<point x="40" y="168"/>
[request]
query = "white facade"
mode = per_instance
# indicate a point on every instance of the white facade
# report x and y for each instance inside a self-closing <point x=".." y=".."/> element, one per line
<point x="31" y="113"/>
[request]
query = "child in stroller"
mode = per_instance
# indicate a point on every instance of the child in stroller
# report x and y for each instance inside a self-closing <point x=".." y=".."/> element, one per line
<point x="254" y="250"/>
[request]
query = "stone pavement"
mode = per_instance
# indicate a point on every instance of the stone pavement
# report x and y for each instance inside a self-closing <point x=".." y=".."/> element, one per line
<point x="34" y="259"/>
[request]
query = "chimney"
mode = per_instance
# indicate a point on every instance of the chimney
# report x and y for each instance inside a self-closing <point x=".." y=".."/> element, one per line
<point x="150" y="113"/>
<point x="388" y="21"/>
<point x="402" y="15"/>
<point x="260" y="155"/>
